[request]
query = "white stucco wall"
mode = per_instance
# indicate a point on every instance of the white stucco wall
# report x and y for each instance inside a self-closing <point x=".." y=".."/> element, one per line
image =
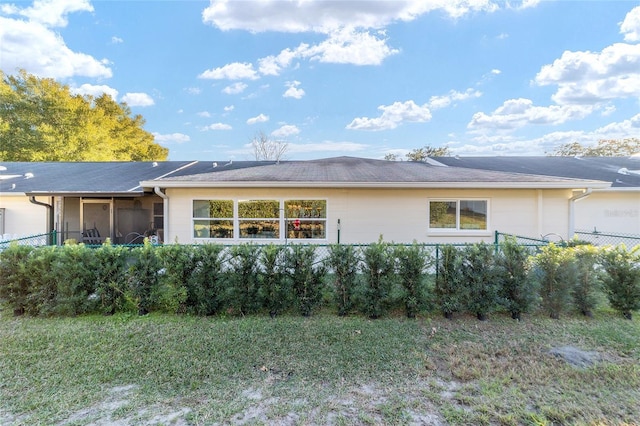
<point x="23" y="218"/>
<point x="399" y="215"/>
<point x="611" y="211"/>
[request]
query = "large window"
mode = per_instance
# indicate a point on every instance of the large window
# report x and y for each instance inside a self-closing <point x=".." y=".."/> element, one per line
<point x="260" y="219"/>
<point x="213" y="218"/>
<point x="463" y="215"/>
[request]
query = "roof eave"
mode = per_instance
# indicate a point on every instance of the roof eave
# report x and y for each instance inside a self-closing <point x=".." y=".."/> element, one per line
<point x="381" y="185"/>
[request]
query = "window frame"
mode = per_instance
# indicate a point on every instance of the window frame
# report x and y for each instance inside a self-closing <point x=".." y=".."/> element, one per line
<point x="282" y="219"/>
<point x="457" y="230"/>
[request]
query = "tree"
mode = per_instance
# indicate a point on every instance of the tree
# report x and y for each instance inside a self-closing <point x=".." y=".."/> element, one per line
<point x="266" y="149"/>
<point x="421" y="154"/>
<point x="604" y="148"/>
<point x="41" y="120"/>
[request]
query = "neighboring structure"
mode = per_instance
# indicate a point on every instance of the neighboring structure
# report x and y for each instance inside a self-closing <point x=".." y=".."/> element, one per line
<point x="356" y="200"/>
<point x="614" y="210"/>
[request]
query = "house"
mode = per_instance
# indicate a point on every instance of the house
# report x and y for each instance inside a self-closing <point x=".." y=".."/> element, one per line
<point x="343" y="199"/>
<point x="611" y="210"/>
<point x="357" y="200"/>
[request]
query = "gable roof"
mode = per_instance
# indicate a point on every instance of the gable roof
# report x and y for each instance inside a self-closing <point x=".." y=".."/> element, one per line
<point x="363" y="172"/>
<point x="621" y="172"/>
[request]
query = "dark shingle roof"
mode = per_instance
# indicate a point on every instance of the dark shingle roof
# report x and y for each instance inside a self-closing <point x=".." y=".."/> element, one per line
<point x="620" y="171"/>
<point x="344" y="171"/>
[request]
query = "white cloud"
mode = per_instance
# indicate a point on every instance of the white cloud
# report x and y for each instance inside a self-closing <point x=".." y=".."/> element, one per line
<point x="30" y="42"/>
<point x="229" y="108"/>
<point x="116" y="40"/>
<point x="217" y="126"/>
<point x="324" y="16"/>
<point x="234" y="71"/>
<point x="273" y="65"/>
<point x="193" y="90"/>
<point x="392" y="116"/>
<point x="138" y="99"/>
<point x="235" y="88"/>
<point x="205" y="114"/>
<point x="326" y="146"/>
<point x="436" y="102"/>
<point x="261" y="118"/>
<point x="630" y="27"/>
<point x="347" y="46"/>
<point x="293" y="91"/>
<point x="170" y="138"/>
<point x="588" y="77"/>
<point x="285" y="131"/>
<point x="95" y="90"/>
<point x="516" y="113"/>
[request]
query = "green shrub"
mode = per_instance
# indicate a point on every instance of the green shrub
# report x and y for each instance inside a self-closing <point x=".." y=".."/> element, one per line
<point x="587" y="290"/>
<point x="178" y="262"/>
<point x="518" y="290"/>
<point x="15" y="277"/>
<point x="204" y="283"/>
<point x="111" y="272"/>
<point x="275" y="289"/>
<point x="449" y="286"/>
<point x="43" y="288"/>
<point x="306" y="277"/>
<point x="622" y="278"/>
<point x="241" y="294"/>
<point x="75" y="273"/>
<point x="377" y="267"/>
<point x="556" y="274"/>
<point x="412" y="262"/>
<point x="480" y="275"/>
<point x="144" y="277"/>
<point x="343" y="262"/>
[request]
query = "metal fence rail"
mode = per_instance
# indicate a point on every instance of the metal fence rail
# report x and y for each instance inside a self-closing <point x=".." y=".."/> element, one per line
<point x="598" y="238"/>
<point x="31" y="240"/>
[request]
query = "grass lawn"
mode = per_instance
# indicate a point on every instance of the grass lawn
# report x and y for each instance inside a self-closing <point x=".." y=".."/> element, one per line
<point x="129" y="370"/>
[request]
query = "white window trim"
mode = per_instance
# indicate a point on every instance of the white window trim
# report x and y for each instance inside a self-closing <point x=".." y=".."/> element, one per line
<point x="457" y="231"/>
<point x="282" y="220"/>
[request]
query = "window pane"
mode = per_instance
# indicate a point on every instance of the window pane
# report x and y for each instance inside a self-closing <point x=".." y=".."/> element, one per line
<point x="259" y="209"/>
<point x="306" y="208"/>
<point x="442" y="214"/>
<point x="213" y="229"/>
<point x="473" y="214"/>
<point x="213" y="208"/>
<point x="297" y="228"/>
<point x="259" y="229"/>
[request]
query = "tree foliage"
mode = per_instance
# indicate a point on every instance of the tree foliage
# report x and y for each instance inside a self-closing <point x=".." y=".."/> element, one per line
<point x="266" y="149"/>
<point x="421" y="154"/>
<point x="42" y="120"/>
<point x="605" y="148"/>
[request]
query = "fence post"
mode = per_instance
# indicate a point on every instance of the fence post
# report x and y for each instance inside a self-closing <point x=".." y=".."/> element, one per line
<point x="437" y="259"/>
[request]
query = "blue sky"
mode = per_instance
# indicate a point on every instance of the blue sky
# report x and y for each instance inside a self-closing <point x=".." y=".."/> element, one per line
<point x="330" y="78"/>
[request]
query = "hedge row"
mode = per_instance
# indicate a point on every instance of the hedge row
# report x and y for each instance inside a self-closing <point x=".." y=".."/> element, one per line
<point x="373" y="280"/>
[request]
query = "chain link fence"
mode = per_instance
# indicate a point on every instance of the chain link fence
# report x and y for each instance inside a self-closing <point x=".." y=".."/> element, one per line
<point x="598" y="238"/>
<point x="32" y="240"/>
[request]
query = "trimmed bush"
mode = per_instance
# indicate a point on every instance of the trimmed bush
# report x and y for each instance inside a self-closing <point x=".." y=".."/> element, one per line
<point x="144" y="277"/>
<point x="204" y="283"/>
<point x="622" y="278"/>
<point x="479" y="272"/>
<point x="378" y="278"/>
<point x="15" y="277"/>
<point x="412" y="262"/>
<point x="556" y="273"/>
<point x="518" y="291"/>
<point x="111" y="272"/>
<point x="75" y="273"/>
<point x="343" y="262"/>
<point x="43" y="288"/>
<point x="241" y="294"/>
<point x="275" y="288"/>
<point x="587" y="290"/>
<point x="449" y="286"/>
<point x="306" y="277"/>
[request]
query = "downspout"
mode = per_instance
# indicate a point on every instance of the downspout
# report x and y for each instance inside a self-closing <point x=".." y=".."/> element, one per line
<point x="572" y="209"/>
<point x="50" y="224"/>
<point x="165" y="210"/>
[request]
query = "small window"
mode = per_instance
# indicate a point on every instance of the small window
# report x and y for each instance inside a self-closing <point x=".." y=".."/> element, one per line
<point x="464" y="215"/>
<point x="213" y="218"/>
<point x="306" y="219"/>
